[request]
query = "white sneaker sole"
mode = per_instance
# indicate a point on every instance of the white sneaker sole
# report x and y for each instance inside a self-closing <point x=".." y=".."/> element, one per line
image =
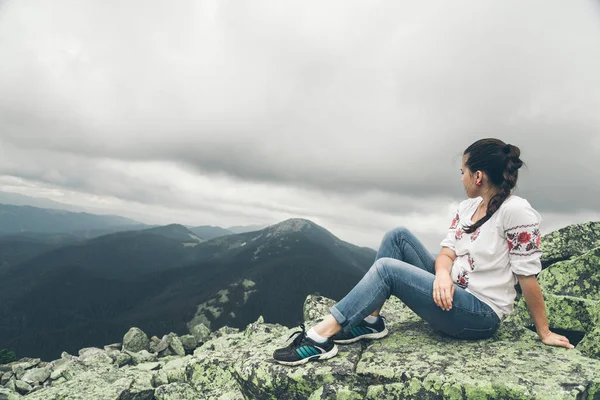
<point x="331" y="353"/>
<point x="377" y="335"/>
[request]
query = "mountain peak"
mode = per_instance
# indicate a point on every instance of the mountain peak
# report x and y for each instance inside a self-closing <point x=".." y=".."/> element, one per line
<point x="292" y="225"/>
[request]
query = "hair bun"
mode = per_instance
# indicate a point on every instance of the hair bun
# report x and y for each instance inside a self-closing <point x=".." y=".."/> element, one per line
<point x="506" y="149"/>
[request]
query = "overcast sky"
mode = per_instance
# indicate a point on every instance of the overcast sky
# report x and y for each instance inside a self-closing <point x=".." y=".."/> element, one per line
<point x="353" y="114"/>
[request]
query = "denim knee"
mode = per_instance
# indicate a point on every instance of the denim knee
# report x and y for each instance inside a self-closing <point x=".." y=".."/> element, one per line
<point x="394" y="235"/>
<point x="379" y="267"/>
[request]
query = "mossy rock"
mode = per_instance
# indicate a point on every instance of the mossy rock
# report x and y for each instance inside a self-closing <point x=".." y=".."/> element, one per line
<point x="563" y="312"/>
<point x="578" y="277"/>
<point x="568" y="242"/>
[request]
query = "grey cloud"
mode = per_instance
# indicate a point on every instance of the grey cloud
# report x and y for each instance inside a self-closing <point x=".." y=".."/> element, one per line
<point x="342" y="96"/>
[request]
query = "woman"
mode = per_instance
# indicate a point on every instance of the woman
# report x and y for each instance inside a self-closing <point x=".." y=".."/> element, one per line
<point x="493" y="242"/>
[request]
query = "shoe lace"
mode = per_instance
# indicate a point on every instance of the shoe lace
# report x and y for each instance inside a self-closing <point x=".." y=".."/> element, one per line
<point x="300" y="336"/>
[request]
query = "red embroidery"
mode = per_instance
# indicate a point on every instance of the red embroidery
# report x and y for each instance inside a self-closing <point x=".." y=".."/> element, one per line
<point x="522" y="241"/>
<point x="475" y="235"/>
<point x="455" y="222"/>
<point x="463" y="279"/>
<point x="523" y="237"/>
<point x="458" y="234"/>
<point x="471" y="262"/>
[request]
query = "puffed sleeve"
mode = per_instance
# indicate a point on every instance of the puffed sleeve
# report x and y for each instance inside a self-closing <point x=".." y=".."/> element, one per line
<point x="450" y="239"/>
<point x="522" y="233"/>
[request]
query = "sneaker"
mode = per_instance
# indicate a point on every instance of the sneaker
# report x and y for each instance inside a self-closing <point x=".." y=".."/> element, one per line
<point x="303" y="349"/>
<point x="363" y="330"/>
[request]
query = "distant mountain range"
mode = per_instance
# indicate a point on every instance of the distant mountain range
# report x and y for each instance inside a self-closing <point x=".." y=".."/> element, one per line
<point x="64" y="291"/>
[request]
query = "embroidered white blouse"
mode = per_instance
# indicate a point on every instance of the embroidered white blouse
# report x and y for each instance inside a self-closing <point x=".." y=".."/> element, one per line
<point x="488" y="260"/>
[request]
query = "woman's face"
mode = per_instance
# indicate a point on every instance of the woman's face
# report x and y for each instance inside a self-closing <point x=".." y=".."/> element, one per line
<point x="468" y="180"/>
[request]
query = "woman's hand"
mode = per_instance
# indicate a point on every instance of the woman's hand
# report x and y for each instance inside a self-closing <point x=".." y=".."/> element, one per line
<point x="443" y="290"/>
<point x="553" y="339"/>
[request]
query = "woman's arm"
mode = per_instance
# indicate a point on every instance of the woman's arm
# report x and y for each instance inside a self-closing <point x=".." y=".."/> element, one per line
<point x="535" y="302"/>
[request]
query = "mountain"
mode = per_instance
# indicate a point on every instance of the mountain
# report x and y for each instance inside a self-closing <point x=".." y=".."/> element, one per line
<point x="22" y="200"/>
<point x="246" y="228"/>
<point x="87" y="293"/>
<point x="17" y="219"/>
<point x="15" y="249"/>
<point x="121" y="255"/>
<point x="210" y="232"/>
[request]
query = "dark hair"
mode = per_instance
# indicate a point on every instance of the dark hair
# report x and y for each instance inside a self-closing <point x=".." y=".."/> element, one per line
<point x="501" y="163"/>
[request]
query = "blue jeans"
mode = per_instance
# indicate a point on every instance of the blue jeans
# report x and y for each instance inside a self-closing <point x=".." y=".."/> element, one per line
<point x="405" y="269"/>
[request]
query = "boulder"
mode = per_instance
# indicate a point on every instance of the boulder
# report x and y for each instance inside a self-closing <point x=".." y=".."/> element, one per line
<point x="4" y="378"/>
<point x="26" y="363"/>
<point x="123" y="359"/>
<point x="568" y="242"/>
<point x="95" y="357"/>
<point x="141" y="357"/>
<point x="23" y="387"/>
<point x="200" y="332"/>
<point x="36" y="376"/>
<point x="176" y="391"/>
<point x="175" y="344"/>
<point x="114" y="346"/>
<point x="577" y="277"/>
<point x="135" y="340"/>
<point x="189" y="343"/>
<point x="7" y="394"/>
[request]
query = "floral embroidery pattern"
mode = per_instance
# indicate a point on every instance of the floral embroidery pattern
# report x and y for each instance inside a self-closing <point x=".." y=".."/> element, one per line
<point x="455" y="222"/>
<point x="471" y="262"/>
<point x="458" y="235"/>
<point x="475" y="235"/>
<point x="524" y="239"/>
<point x="463" y="279"/>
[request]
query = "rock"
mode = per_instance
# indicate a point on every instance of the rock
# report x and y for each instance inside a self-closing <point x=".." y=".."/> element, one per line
<point x="23" y="387"/>
<point x="6" y="377"/>
<point x="176" y="369"/>
<point x="253" y="327"/>
<point x="578" y="277"/>
<point x="142" y="357"/>
<point x="95" y="357"/>
<point x="86" y="349"/>
<point x="176" y="391"/>
<point x="563" y="312"/>
<point x="569" y="242"/>
<point x="66" y="368"/>
<point x="36" y="375"/>
<point x="162" y="345"/>
<point x="201" y="333"/>
<point x="225" y="330"/>
<point x="160" y="378"/>
<point x="152" y="347"/>
<point x="66" y="356"/>
<point x="149" y="366"/>
<point x="18" y="371"/>
<point x="590" y="344"/>
<point x="114" y="346"/>
<point x="27" y="363"/>
<point x="155" y="339"/>
<point x="189" y="343"/>
<point x="59" y="381"/>
<point x="113" y="354"/>
<point x="10" y="385"/>
<point x="334" y="391"/>
<point x="123" y="359"/>
<point x="7" y="394"/>
<point x="175" y="344"/>
<point x="135" y="340"/>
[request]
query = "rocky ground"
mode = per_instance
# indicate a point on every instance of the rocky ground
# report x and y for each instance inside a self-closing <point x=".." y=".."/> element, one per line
<point x="413" y="362"/>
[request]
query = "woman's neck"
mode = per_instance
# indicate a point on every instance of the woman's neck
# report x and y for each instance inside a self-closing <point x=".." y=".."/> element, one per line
<point x="487" y="196"/>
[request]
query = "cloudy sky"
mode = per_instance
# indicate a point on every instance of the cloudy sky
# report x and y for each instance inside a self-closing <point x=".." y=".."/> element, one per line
<point x="353" y="114"/>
